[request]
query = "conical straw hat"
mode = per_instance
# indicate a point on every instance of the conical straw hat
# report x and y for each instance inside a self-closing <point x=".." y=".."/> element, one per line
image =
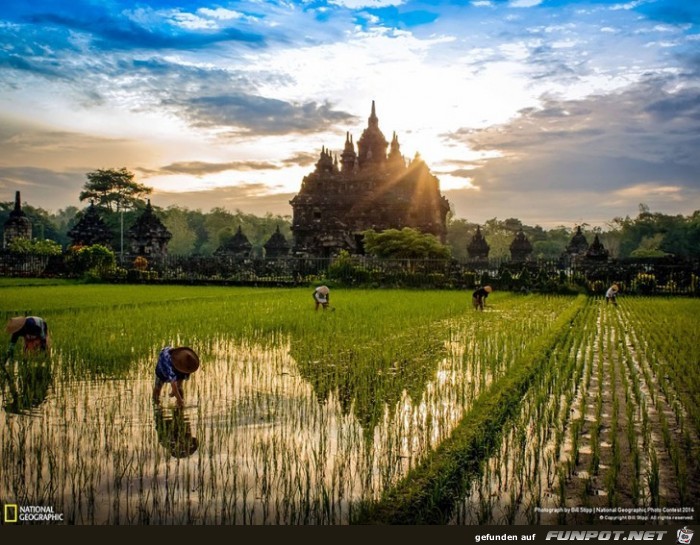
<point x="15" y="324"/>
<point x="184" y="359"/>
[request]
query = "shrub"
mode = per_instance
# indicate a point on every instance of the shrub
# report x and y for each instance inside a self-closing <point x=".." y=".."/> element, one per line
<point x="24" y="246"/>
<point x="346" y="271"/>
<point x="95" y="262"/>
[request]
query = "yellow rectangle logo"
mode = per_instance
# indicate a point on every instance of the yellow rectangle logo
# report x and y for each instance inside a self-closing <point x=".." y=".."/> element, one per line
<point x="10" y="512"/>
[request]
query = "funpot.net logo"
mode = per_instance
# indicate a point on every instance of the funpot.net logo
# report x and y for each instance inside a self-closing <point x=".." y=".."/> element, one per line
<point x="606" y="535"/>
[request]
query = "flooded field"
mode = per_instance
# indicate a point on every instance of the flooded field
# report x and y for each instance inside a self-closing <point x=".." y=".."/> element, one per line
<point x="304" y="417"/>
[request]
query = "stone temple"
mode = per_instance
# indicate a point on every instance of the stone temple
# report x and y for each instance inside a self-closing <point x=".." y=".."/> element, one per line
<point x="366" y="189"/>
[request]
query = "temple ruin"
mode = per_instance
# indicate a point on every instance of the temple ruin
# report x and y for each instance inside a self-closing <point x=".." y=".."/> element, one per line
<point x="18" y="225"/>
<point x="148" y="237"/>
<point x="478" y="248"/>
<point x="91" y="229"/>
<point x="366" y="189"/>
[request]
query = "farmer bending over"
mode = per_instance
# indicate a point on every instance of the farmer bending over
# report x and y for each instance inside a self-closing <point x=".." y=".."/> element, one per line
<point x="175" y="365"/>
<point x="479" y="297"/>
<point x="34" y="332"/>
<point x="322" y="297"/>
<point x="611" y="294"/>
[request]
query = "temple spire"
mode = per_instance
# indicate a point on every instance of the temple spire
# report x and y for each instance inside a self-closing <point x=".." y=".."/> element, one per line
<point x="373" y="119"/>
<point x="348" y="156"/>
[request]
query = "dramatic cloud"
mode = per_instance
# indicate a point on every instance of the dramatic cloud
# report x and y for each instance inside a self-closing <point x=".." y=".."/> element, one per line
<point x="610" y="141"/>
<point x="605" y="153"/>
<point x="260" y="115"/>
<point x="199" y="168"/>
<point x="41" y="187"/>
<point x="521" y="107"/>
<point x="110" y="32"/>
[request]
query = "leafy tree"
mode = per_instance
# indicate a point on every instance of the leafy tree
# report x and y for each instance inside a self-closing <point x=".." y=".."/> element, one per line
<point x="64" y="220"/>
<point x="547" y="249"/>
<point x="407" y="243"/>
<point x="114" y="189"/>
<point x="656" y="233"/>
<point x="459" y="234"/>
<point x="184" y="238"/>
<point x="650" y="247"/>
<point x="499" y="238"/>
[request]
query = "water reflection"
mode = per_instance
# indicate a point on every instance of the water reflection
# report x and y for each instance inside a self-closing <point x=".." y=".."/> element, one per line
<point x="28" y="386"/>
<point x="367" y="384"/>
<point x="174" y="432"/>
<point x="256" y="447"/>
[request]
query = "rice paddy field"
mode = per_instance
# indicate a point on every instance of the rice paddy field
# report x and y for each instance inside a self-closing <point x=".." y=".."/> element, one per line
<point x="397" y="406"/>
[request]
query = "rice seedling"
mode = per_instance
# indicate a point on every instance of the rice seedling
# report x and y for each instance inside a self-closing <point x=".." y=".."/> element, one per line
<point x="299" y="417"/>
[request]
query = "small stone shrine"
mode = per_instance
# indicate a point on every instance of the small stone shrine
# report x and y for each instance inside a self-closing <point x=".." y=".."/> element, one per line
<point x="596" y="251"/>
<point x="91" y="229"/>
<point x="578" y="244"/>
<point x="236" y="246"/>
<point x="277" y="245"/>
<point x="18" y="225"/>
<point x="478" y="249"/>
<point x="148" y="236"/>
<point x="366" y="189"/>
<point x="520" y="248"/>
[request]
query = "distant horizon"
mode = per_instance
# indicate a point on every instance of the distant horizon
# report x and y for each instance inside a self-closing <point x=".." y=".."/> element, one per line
<point x="555" y="112"/>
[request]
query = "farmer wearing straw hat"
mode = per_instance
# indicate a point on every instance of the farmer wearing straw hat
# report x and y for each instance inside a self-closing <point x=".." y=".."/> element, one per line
<point x="479" y="297"/>
<point x="175" y="365"/>
<point x="611" y="294"/>
<point x="34" y="332"/>
<point x="322" y="297"/>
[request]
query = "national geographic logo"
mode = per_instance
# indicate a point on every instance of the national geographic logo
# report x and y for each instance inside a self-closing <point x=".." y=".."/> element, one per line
<point x="13" y="513"/>
<point x="606" y="535"/>
<point x="10" y="513"/>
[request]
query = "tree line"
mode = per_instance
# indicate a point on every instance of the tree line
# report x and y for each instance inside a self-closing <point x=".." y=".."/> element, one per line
<point x="195" y="232"/>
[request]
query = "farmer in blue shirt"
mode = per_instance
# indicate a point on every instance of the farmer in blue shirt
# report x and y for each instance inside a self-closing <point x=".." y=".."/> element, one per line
<point x="33" y="330"/>
<point x="175" y="365"/>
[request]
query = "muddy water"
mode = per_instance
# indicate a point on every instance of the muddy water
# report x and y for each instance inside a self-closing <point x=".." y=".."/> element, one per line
<point x="255" y="444"/>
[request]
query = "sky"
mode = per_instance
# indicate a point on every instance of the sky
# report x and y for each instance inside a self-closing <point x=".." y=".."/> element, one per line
<point x="555" y="112"/>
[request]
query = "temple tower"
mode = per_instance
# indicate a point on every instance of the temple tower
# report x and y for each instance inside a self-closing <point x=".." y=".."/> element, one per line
<point x="596" y="251"/>
<point x="277" y="245"/>
<point x="371" y="147"/>
<point x="348" y="158"/>
<point x="578" y="244"/>
<point x="520" y="248"/>
<point x="148" y="236"/>
<point x="18" y="225"/>
<point x="237" y="246"/>
<point x="91" y="229"/>
<point x="478" y="249"/>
